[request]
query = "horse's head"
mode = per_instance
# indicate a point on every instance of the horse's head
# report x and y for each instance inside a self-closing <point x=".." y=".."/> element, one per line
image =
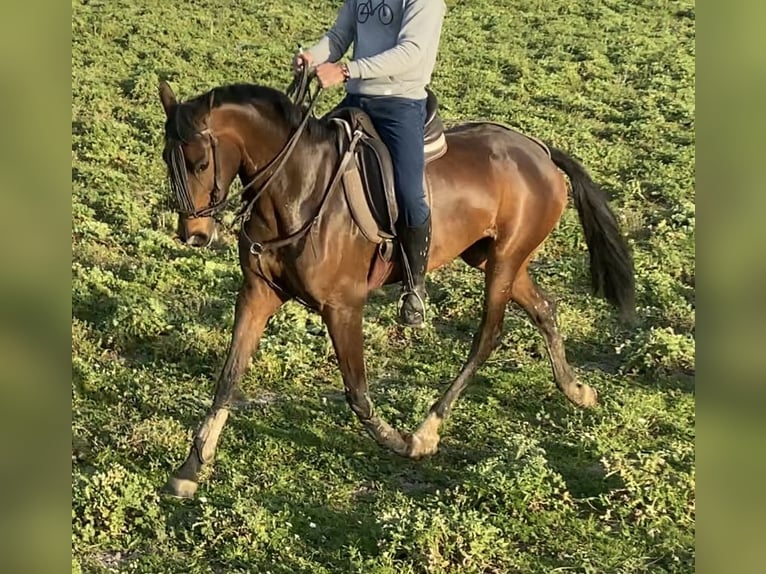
<point x="201" y="166"/>
<point x="246" y="130"/>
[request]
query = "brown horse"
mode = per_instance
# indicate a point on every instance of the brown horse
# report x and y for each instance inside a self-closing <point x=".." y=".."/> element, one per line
<point x="496" y="196"/>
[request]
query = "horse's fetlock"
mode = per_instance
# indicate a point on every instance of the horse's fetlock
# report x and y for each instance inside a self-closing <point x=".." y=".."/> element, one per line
<point x="209" y="433"/>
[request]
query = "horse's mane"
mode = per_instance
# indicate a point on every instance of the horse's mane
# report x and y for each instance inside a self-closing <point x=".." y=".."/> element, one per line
<point x="183" y="123"/>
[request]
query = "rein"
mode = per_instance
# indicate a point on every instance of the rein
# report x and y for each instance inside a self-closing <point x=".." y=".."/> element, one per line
<point x="257" y="248"/>
<point x="298" y="91"/>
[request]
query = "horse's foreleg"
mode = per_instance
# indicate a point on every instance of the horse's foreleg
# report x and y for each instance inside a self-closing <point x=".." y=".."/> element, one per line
<point x="425" y="440"/>
<point x="543" y="314"/>
<point x="256" y="303"/>
<point x="345" y="328"/>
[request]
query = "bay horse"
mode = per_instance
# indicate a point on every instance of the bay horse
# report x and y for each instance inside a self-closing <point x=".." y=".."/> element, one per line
<point x="496" y="196"/>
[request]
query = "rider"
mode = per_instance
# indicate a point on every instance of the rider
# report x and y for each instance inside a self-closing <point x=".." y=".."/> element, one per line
<point x="395" y="48"/>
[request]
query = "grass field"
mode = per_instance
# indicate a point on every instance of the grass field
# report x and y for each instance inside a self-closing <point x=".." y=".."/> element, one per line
<point x="523" y="482"/>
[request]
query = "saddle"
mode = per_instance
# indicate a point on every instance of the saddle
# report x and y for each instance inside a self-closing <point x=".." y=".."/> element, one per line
<point x="368" y="180"/>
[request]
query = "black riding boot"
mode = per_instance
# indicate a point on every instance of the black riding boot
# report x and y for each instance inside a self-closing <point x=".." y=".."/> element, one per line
<point x="414" y="243"/>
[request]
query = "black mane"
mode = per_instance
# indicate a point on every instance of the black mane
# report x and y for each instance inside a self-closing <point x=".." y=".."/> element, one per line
<point x="183" y="123"/>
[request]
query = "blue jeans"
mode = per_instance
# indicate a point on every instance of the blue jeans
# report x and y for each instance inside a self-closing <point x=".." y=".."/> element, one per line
<point x="400" y="123"/>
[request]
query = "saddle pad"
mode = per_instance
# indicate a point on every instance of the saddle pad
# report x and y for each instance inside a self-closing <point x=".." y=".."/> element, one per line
<point x="356" y="199"/>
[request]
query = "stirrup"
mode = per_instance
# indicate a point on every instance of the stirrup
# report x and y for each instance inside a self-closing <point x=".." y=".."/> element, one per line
<point x="422" y="302"/>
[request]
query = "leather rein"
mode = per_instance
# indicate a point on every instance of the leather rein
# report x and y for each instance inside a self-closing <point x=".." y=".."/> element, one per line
<point x="298" y="92"/>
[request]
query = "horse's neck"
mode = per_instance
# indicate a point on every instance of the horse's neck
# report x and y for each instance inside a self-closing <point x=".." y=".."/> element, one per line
<point x="261" y="138"/>
<point x="295" y="192"/>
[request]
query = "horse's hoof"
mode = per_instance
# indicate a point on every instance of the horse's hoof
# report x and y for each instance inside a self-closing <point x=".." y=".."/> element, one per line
<point x="421" y="447"/>
<point x="425" y="441"/>
<point x="180" y="487"/>
<point x="585" y="396"/>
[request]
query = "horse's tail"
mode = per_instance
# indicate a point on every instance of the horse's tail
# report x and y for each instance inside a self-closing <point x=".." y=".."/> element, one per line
<point x="611" y="263"/>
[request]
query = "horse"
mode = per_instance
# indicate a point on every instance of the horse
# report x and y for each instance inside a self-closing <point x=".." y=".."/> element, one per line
<point x="496" y="195"/>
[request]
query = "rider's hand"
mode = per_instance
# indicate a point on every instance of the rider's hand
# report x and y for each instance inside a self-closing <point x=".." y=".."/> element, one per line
<point x="330" y="74"/>
<point x="302" y="59"/>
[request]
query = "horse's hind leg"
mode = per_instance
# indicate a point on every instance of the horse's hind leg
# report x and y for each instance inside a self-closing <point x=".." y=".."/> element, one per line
<point x="542" y="312"/>
<point x="500" y="273"/>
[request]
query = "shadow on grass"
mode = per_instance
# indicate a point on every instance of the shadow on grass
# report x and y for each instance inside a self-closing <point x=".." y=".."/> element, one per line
<point x="331" y="530"/>
<point x="334" y="532"/>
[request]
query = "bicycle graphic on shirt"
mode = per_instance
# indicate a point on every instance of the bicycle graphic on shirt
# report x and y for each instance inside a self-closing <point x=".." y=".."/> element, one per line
<point x="366" y="9"/>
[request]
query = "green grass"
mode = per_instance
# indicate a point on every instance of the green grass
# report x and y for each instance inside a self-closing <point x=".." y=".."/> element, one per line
<point x="523" y="482"/>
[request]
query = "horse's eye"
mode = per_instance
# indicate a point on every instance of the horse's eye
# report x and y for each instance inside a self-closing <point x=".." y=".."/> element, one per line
<point x="202" y="167"/>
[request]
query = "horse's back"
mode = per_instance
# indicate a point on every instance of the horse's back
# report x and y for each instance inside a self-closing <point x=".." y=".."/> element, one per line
<point x="500" y="142"/>
<point x="498" y="162"/>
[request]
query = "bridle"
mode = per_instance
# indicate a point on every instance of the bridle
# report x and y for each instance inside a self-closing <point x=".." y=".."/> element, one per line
<point x="180" y="187"/>
<point x="298" y="91"/>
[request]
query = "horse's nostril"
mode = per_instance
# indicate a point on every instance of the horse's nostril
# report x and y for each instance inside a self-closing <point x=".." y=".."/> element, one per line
<point x="197" y="240"/>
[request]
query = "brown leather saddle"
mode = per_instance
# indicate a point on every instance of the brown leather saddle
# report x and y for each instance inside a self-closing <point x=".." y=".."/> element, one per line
<point x="368" y="181"/>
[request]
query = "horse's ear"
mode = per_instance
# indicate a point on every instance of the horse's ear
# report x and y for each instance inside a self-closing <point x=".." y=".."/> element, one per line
<point x="167" y="97"/>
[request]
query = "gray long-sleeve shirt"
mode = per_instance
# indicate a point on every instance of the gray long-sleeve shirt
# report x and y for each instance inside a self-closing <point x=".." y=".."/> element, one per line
<point x="395" y="45"/>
